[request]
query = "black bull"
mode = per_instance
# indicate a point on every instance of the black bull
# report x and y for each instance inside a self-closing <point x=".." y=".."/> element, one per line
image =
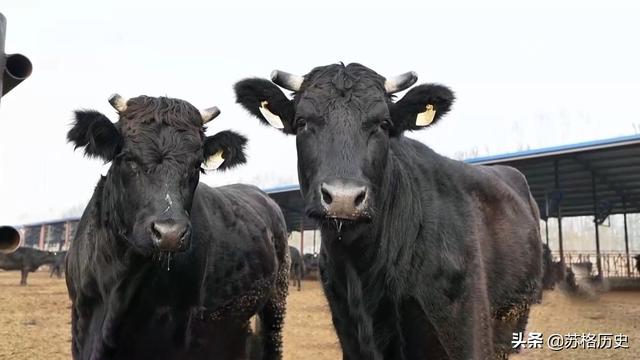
<point x="26" y="260"/>
<point x="422" y="256"/>
<point x="183" y="282"/>
<point x="297" y="267"/>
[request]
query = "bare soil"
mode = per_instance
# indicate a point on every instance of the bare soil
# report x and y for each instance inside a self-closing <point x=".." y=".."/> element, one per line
<point x="34" y="322"/>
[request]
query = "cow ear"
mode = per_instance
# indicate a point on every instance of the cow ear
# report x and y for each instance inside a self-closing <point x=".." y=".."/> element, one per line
<point x="264" y="100"/>
<point x="224" y="150"/>
<point x="422" y="106"/>
<point x="97" y="134"/>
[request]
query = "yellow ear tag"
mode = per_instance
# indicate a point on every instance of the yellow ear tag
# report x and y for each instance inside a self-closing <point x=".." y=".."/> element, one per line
<point x="272" y="118"/>
<point x="426" y="117"/>
<point x="214" y="161"/>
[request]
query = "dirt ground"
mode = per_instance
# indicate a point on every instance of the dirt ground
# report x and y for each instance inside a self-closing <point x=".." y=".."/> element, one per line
<point x="34" y="322"/>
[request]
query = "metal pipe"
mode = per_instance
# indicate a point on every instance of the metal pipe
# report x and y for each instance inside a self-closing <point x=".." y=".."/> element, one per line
<point x="302" y="236"/>
<point x="9" y="239"/>
<point x="14" y="68"/>
<point x="557" y="185"/>
<point x="595" y="222"/>
<point x="17" y="69"/>
<point x="626" y="237"/>
<point x="314" y="241"/>
<point x="546" y="230"/>
<point x="43" y="232"/>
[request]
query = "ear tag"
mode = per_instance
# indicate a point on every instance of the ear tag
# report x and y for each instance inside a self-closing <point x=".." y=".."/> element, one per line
<point x="426" y="117"/>
<point x="214" y="161"/>
<point x="272" y="118"/>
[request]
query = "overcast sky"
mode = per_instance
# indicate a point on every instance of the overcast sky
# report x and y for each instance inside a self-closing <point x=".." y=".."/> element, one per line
<point x="531" y="76"/>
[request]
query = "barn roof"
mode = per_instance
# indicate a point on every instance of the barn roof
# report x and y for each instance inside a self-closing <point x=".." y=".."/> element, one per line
<point x="604" y="171"/>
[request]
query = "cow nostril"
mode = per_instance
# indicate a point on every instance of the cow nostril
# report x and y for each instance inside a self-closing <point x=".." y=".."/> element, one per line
<point x="184" y="234"/>
<point x="156" y="232"/>
<point x="326" y="197"/>
<point x="360" y="198"/>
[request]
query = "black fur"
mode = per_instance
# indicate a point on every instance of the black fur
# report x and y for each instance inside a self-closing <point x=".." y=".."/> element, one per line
<point x="99" y="136"/>
<point x="132" y="301"/>
<point x="251" y="92"/>
<point x="445" y="259"/>
<point x="404" y="111"/>
<point x="231" y="143"/>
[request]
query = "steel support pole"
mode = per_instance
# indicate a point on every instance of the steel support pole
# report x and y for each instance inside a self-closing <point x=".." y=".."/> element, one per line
<point x="314" y="241"/>
<point x="626" y="237"/>
<point x="595" y="222"/>
<point x="557" y="184"/>
<point x="546" y="230"/>
<point x="43" y="230"/>
<point x="302" y="236"/>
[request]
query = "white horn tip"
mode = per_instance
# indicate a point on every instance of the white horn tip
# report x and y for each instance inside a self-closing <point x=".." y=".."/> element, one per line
<point x="118" y="102"/>
<point x="209" y="114"/>
<point x="274" y="75"/>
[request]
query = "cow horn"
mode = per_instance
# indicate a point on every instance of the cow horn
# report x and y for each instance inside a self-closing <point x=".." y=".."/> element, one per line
<point x="400" y="82"/>
<point x="286" y="80"/>
<point x="9" y="239"/>
<point x="118" y="102"/>
<point x="209" y="114"/>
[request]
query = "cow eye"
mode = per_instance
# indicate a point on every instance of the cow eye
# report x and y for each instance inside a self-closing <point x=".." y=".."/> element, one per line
<point x="301" y="124"/>
<point x="385" y="125"/>
<point x="132" y="165"/>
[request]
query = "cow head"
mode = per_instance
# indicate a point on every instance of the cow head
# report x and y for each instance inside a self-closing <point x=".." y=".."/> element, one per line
<point x="157" y="151"/>
<point x="344" y="118"/>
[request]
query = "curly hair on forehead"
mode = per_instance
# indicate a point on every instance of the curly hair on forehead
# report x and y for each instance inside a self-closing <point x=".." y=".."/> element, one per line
<point x="176" y="113"/>
<point x="342" y="78"/>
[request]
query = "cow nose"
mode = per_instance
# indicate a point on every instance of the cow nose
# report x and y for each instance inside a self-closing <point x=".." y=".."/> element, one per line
<point x="344" y="200"/>
<point x="171" y="235"/>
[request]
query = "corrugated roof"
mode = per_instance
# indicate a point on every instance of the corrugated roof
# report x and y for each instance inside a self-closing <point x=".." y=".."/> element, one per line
<point x="613" y="163"/>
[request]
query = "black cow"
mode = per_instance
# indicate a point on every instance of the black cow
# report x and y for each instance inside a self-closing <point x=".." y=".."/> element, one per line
<point x="311" y="265"/>
<point x="297" y="266"/>
<point x="553" y="272"/>
<point x="162" y="266"/>
<point x="637" y="257"/>
<point x="422" y="256"/>
<point x="26" y="260"/>
<point x="57" y="268"/>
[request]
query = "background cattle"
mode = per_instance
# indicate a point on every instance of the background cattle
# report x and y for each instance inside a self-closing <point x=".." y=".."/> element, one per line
<point x="578" y="280"/>
<point x="165" y="267"/>
<point x="422" y="256"/>
<point x="57" y="268"/>
<point x="553" y="271"/>
<point x="637" y="257"/>
<point x="297" y="266"/>
<point x="26" y="260"/>
<point x="311" y="267"/>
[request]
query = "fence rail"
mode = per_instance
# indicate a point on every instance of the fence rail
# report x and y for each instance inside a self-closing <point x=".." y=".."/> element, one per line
<point x="614" y="263"/>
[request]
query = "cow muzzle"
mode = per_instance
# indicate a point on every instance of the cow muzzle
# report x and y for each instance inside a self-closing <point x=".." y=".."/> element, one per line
<point x="9" y="239"/>
<point x="346" y="200"/>
<point x="171" y="235"/>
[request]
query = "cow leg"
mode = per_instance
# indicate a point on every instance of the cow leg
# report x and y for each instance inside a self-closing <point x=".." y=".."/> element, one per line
<point x="23" y="278"/>
<point x="272" y="315"/>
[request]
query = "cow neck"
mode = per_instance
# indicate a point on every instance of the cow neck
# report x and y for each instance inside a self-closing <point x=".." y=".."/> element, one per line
<point x="111" y="239"/>
<point x="385" y="246"/>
